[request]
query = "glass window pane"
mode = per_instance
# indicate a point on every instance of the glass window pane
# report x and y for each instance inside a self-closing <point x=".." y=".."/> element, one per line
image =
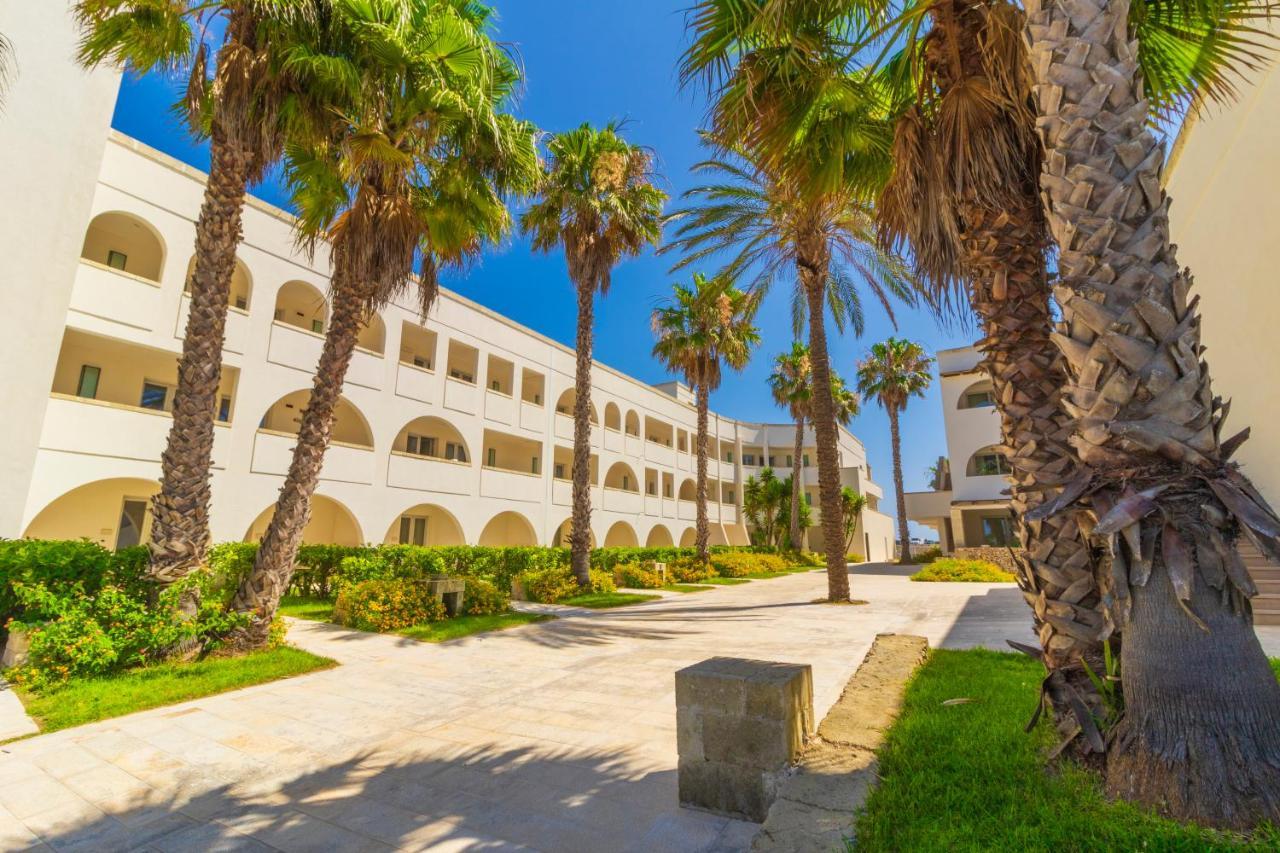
<point x="88" y="384"/>
<point x="419" y="531"/>
<point x="117" y="260"/>
<point x="405" y="521"/>
<point x="224" y="409"/>
<point x="153" y="396"/>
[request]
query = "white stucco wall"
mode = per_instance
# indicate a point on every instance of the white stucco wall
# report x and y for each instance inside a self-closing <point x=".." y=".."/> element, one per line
<point x="51" y="130"/>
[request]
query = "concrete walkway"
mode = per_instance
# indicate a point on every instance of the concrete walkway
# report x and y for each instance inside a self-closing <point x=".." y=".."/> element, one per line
<point x="556" y="736"/>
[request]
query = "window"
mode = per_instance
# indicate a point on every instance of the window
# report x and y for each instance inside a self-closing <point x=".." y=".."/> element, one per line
<point x="650" y="489"/>
<point x="462" y="377"/>
<point x="413" y="530"/>
<point x="806" y="460"/>
<point x="748" y="459"/>
<point x="626" y="483"/>
<point x="317" y="326"/>
<point x="154" y="396"/>
<point x="537" y="399"/>
<point x="116" y="260"/>
<point x="421" y="445"/>
<point x="88" y="384"/>
<point x="990" y="464"/>
<point x="808" y="498"/>
<point x="790" y="460"/>
<point x="491" y="457"/>
<point x="666" y="490"/>
<point x="424" y="363"/>
<point x="728" y="496"/>
<point x="133" y="520"/>
<point x="242" y="303"/>
<point x="534" y="467"/>
<point x="998" y="532"/>
<point x="495" y="385"/>
<point x="979" y="399"/>
<point x="772" y="462"/>
<point x="224" y="409"/>
<point x="728" y="456"/>
<point x="560" y="471"/>
<point x="456" y="452"/>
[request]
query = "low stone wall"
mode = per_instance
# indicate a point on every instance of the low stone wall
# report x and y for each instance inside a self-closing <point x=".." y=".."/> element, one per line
<point x="1002" y="557"/>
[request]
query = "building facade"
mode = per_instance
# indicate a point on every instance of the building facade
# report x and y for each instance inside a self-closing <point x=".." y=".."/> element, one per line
<point x="453" y="430"/>
<point x="971" y="510"/>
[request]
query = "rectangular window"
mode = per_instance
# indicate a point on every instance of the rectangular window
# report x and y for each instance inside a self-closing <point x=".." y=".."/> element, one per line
<point x="456" y="452"/>
<point x="990" y="464"/>
<point x="626" y="483"/>
<point x="728" y="496"/>
<point x="242" y="303"/>
<point x="790" y="460"/>
<point x="492" y="457"/>
<point x="650" y="489"/>
<point x="806" y="460"/>
<point x="728" y="457"/>
<point x="808" y="498"/>
<point x="666" y="490"/>
<point x="748" y="459"/>
<point x="534" y="467"/>
<point x="979" y="399"/>
<point x="413" y="530"/>
<point x="153" y="396"/>
<point x="419" y="361"/>
<point x="998" y="532"/>
<point x="88" y="384"/>
<point x="495" y="385"/>
<point x="224" y="409"/>
<point x="116" y="260"/>
<point x="560" y="471"/>
<point x="317" y="326"/>
<point x="537" y="399"/>
<point x="133" y="521"/>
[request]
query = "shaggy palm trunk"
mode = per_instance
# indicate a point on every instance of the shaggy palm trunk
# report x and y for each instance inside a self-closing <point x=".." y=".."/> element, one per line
<point x="259" y="593"/>
<point x="580" y="535"/>
<point x="1200" y="737"/>
<point x="795" y="485"/>
<point x="180" y="510"/>
<point x="813" y="278"/>
<point x="895" y="441"/>
<point x="702" y="527"/>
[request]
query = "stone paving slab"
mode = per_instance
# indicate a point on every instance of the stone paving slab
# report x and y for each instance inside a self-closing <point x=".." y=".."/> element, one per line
<point x="557" y="736"/>
<point x="14" y="721"/>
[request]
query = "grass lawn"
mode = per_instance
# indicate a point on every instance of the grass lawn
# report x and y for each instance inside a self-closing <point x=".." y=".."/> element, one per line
<point x="302" y="607"/>
<point x="966" y="777"/>
<point x="686" y="587"/>
<point x="87" y="700"/>
<point x="603" y="600"/>
<point x="718" y="581"/>
<point x="462" y="626"/>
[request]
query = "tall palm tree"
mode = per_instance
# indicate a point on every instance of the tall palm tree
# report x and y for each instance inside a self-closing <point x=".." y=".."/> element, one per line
<point x="852" y="505"/>
<point x="701" y="330"/>
<point x="893" y="372"/>
<point x="598" y="202"/>
<point x="247" y="108"/>
<point x="1200" y="736"/>
<point x="412" y="173"/>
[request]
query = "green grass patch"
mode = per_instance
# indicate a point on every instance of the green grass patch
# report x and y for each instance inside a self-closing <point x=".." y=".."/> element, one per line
<point x="88" y="700"/>
<point x="966" y="776"/>
<point x="464" y="626"/>
<point x="304" y="607"/>
<point x="969" y="571"/>
<point x="718" y="581"/>
<point x="605" y="600"/>
<point x="686" y="587"/>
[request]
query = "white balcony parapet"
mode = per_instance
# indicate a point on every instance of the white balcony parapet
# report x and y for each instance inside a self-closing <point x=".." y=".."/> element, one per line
<point x="499" y="407"/>
<point x="417" y="383"/>
<point x="461" y="396"/>
<point x="621" y="500"/>
<point x="117" y="296"/>
<point x="430" y="474"/>
<point x="343" y="463"/>
<point x="102" y="428"/>
<point x="510" y="485"/>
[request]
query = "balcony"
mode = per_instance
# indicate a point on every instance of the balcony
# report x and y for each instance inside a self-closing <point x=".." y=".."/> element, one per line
<point x="619" y="500"/>
<point x="727" y="471"/>
<point x="635" y="446"/>
<point x="118" y="297"/>
<point x="687" y="511"/>
<point x="417" y="383"/>
<point x="562" y="492"/>
<point x="922" y="505"/>
<point x="237" y="331"/>
<point x="728" y="514"/>
<point x="684" y="462"/>
<point x="614" y="441"/>
<point x="653" y="505"/>
<point x="343" y="463"/>
<point x="510" y="485"/>
<point x="114" y="430"/>
<point x="428" y="474"/>
<point x="461" y="396"/>
<point x="660" y="454"/>
<point x="499" y="407"/>
<point x="564" y="429"/>
<point x="532" y="417"/>
<point x="300" y="349"/>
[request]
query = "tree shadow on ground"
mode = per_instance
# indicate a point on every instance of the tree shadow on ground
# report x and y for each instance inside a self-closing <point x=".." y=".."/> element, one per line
<point x="1003" y="606"/>
<point x="475" y="798"/>
<point x="889" y="570"/>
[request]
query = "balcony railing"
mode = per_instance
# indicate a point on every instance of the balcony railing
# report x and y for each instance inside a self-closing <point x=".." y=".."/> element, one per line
<point x="430" y="474"/>
<point x="115" y="430"/>
<point x="343" y="462"/>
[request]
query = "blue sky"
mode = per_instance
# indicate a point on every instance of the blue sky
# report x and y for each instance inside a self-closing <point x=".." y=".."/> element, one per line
<point x="596" y="60"/>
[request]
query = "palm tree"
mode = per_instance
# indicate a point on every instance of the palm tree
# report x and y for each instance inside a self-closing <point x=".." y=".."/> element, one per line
<point x="598" y="201"/>
<point x="852" y="504"/>
<point x="412" y="173"/>
<point x="892" y="373"/>
<point x="247" y="110"/>
<point x="1200" y="736"/>
<point x="8" y="67"/>
<point x="700" y="330"/>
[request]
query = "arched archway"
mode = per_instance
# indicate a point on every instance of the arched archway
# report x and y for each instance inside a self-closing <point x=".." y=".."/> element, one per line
<point x="349" y="424"/>
<point x="241" y="293"/>
<point x="561" y="537"/>
<point x="373" y="335"/>
<point x="621" y="476"/>
<point x="659" y="537"/>
<point x="979" y="395"/>
<point x="115" y="513"/>
<point x="633" y="423"/>
<point x="612" y="417"/>
<point x="125" y="242"/>
<point x="432" y="437"/>
<point x="688" y="490"/>
<point x="331" y="524"/>
<point x="987" y="462"/>
<point x="302" y="305"/>
<point x="688" y="538"/>
<point x="621" y="535"/>
<point x="425" y="524"/>
<point x="565" y="405"/>
<point x="508" y="529"/>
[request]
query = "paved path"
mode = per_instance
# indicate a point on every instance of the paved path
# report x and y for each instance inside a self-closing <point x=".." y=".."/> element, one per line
<point x="557" y="736"/>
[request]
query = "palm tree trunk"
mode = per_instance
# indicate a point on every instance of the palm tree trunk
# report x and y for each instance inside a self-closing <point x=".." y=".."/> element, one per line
<point x="1200" y="737"/>
<point x="813" y="273"/>
<point x="259" y="593"/>
<point x="180" y="510"/>
<point x="795" y="485"/>
<point x="895" y="441"/>
<point x="580" y="535"/>
<point x="702" y="528"/>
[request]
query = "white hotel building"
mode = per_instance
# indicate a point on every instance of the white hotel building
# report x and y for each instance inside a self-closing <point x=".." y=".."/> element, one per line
<point x="453" y="431"/>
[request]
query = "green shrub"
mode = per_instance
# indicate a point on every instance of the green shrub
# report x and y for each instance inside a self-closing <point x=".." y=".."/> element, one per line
<point x="738" y="564"/>
<point x="972" y="571"/>
<point x="927" y="556"/>
<point x="854" y="557"/>
<point x="555" y="583"/>
<point x="385" y="605"/>
<point x="689" y="570"/>
<point x="483" y="598"/>
<point x="61" y="566"/>
<point x="636" y="576"/>
<point x="316" y="565"/>
<point x="610" y="558"/>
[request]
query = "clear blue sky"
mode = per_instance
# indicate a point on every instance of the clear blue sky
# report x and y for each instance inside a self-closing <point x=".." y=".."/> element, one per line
<point x="596" y="60"/>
